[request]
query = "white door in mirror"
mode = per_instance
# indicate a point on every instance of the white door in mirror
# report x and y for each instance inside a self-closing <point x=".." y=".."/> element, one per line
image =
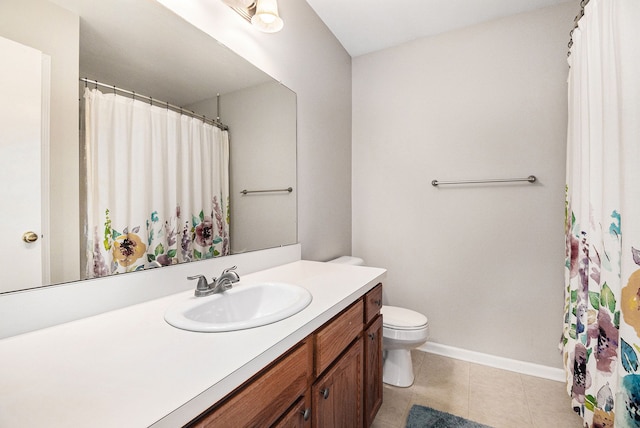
<point x="246" y="305"/>
<point x="22" y="123"/>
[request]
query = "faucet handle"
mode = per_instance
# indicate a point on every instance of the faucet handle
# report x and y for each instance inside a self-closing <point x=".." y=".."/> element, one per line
<point x="203" y="285"/>
<point x="229" y="269"/>
<point x="231" y="274"/>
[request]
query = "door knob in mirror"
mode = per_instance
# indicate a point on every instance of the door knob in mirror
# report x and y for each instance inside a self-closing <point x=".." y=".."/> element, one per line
<point x="30" y="237"/>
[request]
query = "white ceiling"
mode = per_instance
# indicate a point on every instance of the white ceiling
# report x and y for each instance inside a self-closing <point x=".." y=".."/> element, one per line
<point x="364" y="26"/>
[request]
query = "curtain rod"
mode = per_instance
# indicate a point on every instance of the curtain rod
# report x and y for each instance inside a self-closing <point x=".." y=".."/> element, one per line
<point x="215" y="122"/>
<point x="583" y="3"/>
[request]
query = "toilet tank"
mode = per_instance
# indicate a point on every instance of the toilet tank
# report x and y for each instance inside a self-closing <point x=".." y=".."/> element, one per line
<point x="348" y="260"/>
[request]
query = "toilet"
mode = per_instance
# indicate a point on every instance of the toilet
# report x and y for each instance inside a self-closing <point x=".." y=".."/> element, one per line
<point x="402" y="331"/>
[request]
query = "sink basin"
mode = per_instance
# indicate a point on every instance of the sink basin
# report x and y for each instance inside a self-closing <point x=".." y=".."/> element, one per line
<point x="243" y="306"/>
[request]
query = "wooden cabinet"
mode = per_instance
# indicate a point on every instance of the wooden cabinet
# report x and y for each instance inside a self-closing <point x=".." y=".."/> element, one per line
<point x="267" y="397"/>
<point x="333" y="378"/>
<point x="372" y="370"/>
<point x="372" y="354"/>
<point x="337" y="395"/>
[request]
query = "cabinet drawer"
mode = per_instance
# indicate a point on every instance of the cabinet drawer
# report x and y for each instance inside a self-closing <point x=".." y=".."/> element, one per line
<point x="372" y="303"/>
<point x="334" y="337"/>
<point x="267" y="397"/>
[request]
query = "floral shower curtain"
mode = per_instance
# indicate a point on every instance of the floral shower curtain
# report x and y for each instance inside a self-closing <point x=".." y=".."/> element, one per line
<point x="601" y="337"/>
<point x="157" y="186"/>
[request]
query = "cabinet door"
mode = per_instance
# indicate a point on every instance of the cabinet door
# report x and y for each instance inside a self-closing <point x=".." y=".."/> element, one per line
<point x="337" y="395"/>
<point x="299" y="416"/>
<point x="372" y="371"/>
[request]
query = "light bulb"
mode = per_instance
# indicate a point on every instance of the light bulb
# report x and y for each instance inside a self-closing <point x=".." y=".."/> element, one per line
<point x="266" y="18"/>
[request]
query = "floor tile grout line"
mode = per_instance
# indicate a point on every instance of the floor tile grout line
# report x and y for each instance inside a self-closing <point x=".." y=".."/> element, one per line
<point x="405" y="414"/>
<point x="526" y="399"/>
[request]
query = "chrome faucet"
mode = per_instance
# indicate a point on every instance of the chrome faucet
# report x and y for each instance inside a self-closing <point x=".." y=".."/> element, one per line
<point x="220" y="284"/>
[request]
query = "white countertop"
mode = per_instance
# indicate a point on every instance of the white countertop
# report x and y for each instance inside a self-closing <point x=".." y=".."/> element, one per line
<point x="129" y="368"/>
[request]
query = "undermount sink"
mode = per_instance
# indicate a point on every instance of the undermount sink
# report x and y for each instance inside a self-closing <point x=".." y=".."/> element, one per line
<point x="243" y="306"/>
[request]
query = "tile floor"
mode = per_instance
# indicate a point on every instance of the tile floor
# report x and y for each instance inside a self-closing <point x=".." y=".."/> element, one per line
<point x="498" y="398"/>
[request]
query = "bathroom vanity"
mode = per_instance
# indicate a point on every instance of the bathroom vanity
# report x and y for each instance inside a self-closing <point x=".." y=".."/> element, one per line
<point x="333" y="377"/>
<point x="319" y="367"/>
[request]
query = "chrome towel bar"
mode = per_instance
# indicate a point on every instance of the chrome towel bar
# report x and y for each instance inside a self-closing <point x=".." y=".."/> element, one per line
<point x="530" y="179"/>
<point x="288" y="189"/>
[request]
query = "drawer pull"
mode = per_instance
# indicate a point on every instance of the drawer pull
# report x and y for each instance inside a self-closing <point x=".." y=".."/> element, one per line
<point x="372" y="336"/>
<point x="325" y="393"/>
<point x="378" y="302"/>
<point x="306" y="413"/>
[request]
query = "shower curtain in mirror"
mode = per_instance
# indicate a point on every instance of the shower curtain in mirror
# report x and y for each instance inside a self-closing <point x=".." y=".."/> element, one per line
<point x="601" y="337"/>
<point x="157" y="186"/>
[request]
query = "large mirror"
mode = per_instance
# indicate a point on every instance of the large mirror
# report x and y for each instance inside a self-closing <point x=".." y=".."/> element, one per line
<point x="139" y="46"/>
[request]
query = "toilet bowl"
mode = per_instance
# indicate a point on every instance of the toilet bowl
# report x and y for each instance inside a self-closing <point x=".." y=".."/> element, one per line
<point x="402" y="331"/>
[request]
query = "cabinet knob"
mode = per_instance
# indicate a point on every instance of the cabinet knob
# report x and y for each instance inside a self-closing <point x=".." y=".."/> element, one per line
<point x="325" y="393"/>
<point x="372" y="336"/>
<point x="306" y="413"/>
<point x="378" y="302"/>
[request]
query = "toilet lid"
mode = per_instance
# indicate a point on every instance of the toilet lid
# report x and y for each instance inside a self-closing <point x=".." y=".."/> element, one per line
<point x="402" y="318"/>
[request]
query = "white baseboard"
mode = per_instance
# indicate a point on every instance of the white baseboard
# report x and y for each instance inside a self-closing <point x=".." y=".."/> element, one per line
<point x="522" y="367"/>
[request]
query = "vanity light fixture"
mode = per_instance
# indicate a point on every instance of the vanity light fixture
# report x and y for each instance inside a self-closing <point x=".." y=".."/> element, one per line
<point x="262" y="14"/>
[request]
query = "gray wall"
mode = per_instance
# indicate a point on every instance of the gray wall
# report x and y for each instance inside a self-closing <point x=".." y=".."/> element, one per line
<point x="261" y="220"/>
<point x="308" y="59"/>
<point x="484" y="263"/>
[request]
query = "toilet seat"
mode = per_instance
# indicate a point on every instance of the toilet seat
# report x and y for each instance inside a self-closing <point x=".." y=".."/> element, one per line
<point x="397" y="318"/>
